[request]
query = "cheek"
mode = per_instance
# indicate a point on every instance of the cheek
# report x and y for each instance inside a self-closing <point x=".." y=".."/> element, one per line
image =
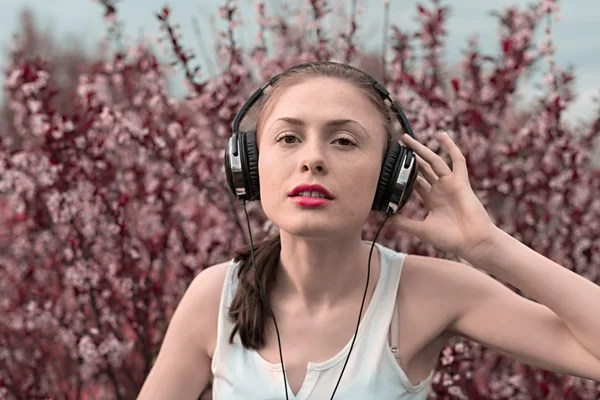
<point x="267" y="163"/>
<point x="270" y="173"/>
<point x="363" y="183"/>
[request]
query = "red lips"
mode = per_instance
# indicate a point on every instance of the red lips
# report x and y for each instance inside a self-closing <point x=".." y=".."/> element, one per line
<point x="311" y="188"/>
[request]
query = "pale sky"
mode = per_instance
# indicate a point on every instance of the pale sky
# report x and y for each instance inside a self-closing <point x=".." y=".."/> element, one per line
<point x="576" y="34"/>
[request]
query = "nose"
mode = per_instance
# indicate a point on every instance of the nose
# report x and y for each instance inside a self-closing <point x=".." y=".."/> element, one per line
<point x="314" y="160"/>
<point x="315" y="167"/>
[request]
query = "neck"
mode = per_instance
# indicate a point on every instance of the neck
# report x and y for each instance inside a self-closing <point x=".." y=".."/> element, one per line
<point x="322" y="273"/>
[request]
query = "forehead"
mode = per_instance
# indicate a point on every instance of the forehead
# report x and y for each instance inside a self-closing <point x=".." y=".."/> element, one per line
<point x="318" y="100"/>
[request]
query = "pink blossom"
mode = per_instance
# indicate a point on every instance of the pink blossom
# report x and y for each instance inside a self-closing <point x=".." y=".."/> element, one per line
<point x="109" y="208"/>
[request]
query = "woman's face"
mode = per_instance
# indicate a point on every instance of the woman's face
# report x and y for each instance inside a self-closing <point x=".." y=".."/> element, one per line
<point x="321" y="131"/>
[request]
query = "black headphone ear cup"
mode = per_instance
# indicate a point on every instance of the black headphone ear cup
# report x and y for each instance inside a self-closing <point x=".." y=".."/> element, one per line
<point x="387" y="177"/>
<point x="250" y="160"/>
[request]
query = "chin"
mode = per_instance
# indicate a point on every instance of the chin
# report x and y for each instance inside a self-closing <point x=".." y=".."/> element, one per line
<point x="310" y="232"/>
<point x="330" y="221"/>
<point x="317" y="226"/>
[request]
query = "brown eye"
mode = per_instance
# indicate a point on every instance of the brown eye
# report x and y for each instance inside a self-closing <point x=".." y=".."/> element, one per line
<point x="345" y="142"/>
<point x="287" y="139"/>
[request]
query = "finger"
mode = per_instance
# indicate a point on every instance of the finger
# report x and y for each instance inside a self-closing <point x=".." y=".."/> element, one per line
<point x="459" y="163"/>
<point x="426" y="171"/>
<point x="408" y="225"/>
<point x="422" y="182"/>
<point x="438" y="165"/>
<point x="422" y="187"/>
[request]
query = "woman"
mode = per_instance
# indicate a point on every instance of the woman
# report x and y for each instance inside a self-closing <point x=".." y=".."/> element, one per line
<point x="325" y="123"/>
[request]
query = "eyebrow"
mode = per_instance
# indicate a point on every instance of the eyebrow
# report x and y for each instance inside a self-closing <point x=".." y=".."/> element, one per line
<point x="334" y="122"/>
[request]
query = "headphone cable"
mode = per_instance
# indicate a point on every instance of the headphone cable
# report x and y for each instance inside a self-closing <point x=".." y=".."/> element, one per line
<point x="363" y="301"/>
<point x="265" y="300"/>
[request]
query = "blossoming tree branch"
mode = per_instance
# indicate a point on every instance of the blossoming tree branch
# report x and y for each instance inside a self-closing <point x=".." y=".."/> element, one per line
<point x="113" y="196"/>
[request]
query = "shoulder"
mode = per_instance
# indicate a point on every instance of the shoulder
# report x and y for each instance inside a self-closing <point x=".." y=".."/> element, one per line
<point x="209" y="282"/>
<point x="202" y="300"/>
<point x="206" y="288"/>
<point x="182" y="366"/>
<point x="432" y="294"/>
<point x="449" y="286"/>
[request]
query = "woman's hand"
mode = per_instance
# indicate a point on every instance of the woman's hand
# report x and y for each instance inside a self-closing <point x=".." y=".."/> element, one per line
<point x="457" y="222"/>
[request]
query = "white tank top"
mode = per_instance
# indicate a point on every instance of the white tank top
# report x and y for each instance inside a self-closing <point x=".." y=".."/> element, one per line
<point x="373" y="371"/>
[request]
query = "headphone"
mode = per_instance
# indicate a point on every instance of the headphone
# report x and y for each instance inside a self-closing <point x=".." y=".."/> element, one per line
<point x="394" y="188"/>
<point x="396" y="178"/>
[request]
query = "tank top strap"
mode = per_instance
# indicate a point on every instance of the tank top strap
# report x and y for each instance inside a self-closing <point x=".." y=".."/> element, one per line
<point x="393" y="262"/>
